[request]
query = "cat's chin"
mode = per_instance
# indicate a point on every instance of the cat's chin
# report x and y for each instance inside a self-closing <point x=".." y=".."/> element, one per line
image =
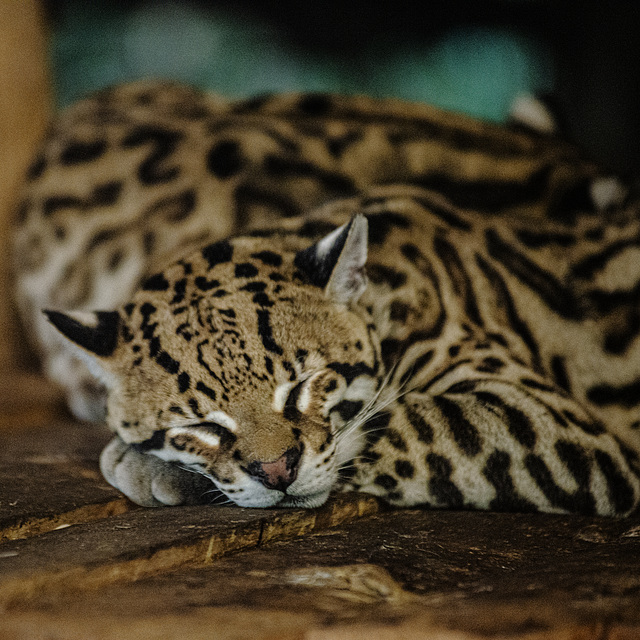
<point x="304" y="502"/>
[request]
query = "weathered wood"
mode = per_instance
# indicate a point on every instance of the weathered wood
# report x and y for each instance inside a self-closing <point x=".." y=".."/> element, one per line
<point x="411" y="574"/>
<point x="49" y="494"/>
<point x="60" y="438"/>
<point x="240" y="624"/>
<point x="49" y="479"/>
<point x="27" y="400"/>
<point x="148" y="541"/>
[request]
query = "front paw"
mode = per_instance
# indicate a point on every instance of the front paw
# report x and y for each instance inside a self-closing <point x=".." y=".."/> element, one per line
<point x="151" y="482"/>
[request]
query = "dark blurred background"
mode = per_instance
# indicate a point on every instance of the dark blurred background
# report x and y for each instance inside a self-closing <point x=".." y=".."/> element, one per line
<point x="469" y="55"/>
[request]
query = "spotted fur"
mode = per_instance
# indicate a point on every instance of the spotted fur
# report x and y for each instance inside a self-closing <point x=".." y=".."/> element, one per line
<point x="300" y="294"/>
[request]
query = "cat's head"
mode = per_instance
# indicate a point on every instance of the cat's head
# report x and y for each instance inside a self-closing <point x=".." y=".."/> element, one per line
<point x="244" y="361"/>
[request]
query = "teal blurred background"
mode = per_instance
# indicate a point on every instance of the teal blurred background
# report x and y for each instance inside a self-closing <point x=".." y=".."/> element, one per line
<point x="473" y="57"/>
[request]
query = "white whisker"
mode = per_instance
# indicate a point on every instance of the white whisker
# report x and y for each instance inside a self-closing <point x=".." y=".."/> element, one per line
<point x="220" y="499"/>
<point x="192" y="470"/>
<point x="356" y="429"/>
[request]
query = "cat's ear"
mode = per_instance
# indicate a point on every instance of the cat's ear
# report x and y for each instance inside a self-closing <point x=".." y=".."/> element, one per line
<point x="336" y="262"/>
<point x="96" y="333"/>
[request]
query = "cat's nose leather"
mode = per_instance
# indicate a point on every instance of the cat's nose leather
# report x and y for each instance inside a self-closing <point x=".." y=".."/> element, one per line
<point x="279" y="474"/>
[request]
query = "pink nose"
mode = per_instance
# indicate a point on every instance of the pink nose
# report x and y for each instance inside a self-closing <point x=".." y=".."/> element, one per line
<point x="281" y="473"/>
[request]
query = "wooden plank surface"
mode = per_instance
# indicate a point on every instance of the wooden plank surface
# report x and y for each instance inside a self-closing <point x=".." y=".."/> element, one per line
<point x="49" y="478"/>
<point x="149" y="541"/>
<point x="352" y="569"/>
<point x="27" y="400"/>
<point x="50" y="494"/>
<point x="408" y="574"/>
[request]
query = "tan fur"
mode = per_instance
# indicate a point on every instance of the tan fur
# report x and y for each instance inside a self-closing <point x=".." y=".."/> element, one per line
<point x="464" y="339"/>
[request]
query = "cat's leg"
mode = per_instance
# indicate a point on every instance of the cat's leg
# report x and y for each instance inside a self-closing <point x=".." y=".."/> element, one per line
<point x="151" y="482"/>
<point x="488" y="432"/>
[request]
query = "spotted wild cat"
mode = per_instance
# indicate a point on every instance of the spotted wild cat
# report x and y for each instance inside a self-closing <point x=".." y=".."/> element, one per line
<point x="282" y="297"/>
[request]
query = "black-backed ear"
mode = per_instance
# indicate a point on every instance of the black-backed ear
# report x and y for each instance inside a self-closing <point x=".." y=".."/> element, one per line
<point x="95" y="331"/>
<point x="336" y="263"/>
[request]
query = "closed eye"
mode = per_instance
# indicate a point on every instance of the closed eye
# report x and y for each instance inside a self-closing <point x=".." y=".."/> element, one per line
<point x="290" y="410"/>
<point x="227" y="438"/>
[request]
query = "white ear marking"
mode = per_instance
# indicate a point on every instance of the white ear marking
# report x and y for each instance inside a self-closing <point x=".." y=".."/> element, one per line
<point x="324" y="246"/>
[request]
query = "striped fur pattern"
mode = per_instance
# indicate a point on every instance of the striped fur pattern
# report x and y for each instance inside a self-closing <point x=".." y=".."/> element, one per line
<point x="305" y="293"/>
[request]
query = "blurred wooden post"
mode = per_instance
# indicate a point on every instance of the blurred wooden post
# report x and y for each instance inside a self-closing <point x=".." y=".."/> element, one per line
<point x="25" y="106"/>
